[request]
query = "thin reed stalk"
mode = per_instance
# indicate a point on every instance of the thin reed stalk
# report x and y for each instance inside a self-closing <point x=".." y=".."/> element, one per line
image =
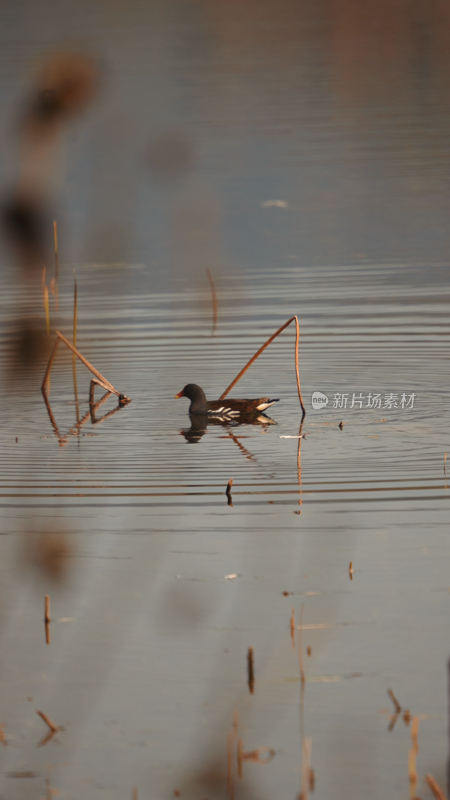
<point x="435" y="788"/>
<point x="75" y="313"/>
<point x="47" y="619"/>
<point x="261" y="350"/>
<point x="250" y="670"/>
<point x="300" y="647"/>
<point x="75" y="388"/>
<point x="47" y="310"/>
<point x="397" y="705"/>
<point x="74" y="341"/>
<point x="214" y="301"/>
<point x="55" y="236"/>
<point x="123" y="400"/>
<point x="61" y="439"/>
<point x="293" y="628"/>
<point x="306" y="778"/>
<point x="231" y="738"/>
<point x="49" y="366"/>
<point x="299" y="462"/>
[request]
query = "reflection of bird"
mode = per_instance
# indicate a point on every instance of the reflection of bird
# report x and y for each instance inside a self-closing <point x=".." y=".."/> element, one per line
<point x="200" y="422"/>
<point x="222" y="409"/>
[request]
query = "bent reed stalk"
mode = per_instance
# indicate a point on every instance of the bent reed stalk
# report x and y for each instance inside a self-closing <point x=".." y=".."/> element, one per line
<point x="105" y="383"/>
<point x="261" y="350"/>
<point x="123" y="400"/>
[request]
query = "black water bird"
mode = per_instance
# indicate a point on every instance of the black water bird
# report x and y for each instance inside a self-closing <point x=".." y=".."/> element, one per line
<point x="223" y="410"/>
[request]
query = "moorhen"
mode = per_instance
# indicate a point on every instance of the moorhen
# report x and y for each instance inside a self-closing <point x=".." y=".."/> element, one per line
<point x="229" y="409"/>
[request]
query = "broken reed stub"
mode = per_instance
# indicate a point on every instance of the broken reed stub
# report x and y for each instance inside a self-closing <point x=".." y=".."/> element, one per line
<point x="47" y="608"/>
<point x="250" y="670"/>
<point x="47" y="619"/>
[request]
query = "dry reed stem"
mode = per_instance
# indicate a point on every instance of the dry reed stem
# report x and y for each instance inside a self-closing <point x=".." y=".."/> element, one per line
<point x="397" y="705"/>
<point x="299" y="462"/>
<point x="230" y="765"/>
<point x="105" y="416"/>
<point x="214" y="302"/>
<point x="93" y="384"/>
<point x="135" y="793"/>
<point x="47" y="619"/>
<point x="47" y="738"/>
<point x="293" y="628"/>
<point x="394" y="719"/>
<point x="300" y="647"/>
<point x="75" y="313"/>
<point x="74" y="342"/>
<point x="91" y="414"/>
<point x="106" y="384"/>
<point x="240" y="760"/>
<point x="61" y="439"/>
<point x="49" y="366"/>
<point x="412" y="773"/>
<point x="435" y="788"/>
<point x="261" y="350"/>
<point x="350" y="570"/>
<point x="75" y="389"/>
<point x="55" y="236"/>
<point x="412" y="756"/>
<point x="250" y="670"/>
<point x="96" y="406"/>
<point x="54" y="728"/>
<point x="415" y="734"/>
<point x="306" y="772"/>
<point x="47" y="310"/>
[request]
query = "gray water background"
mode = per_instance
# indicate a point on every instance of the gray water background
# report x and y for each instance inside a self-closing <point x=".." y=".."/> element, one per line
<point x="341" y="113"/>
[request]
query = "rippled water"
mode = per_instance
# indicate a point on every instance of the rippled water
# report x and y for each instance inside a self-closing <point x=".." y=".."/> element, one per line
<point x="301" y="154"/>
<point x="147" y="662"/>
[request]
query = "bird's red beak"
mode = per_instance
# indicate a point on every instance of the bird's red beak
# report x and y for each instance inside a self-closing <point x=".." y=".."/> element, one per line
<point x="180" y="394"/>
